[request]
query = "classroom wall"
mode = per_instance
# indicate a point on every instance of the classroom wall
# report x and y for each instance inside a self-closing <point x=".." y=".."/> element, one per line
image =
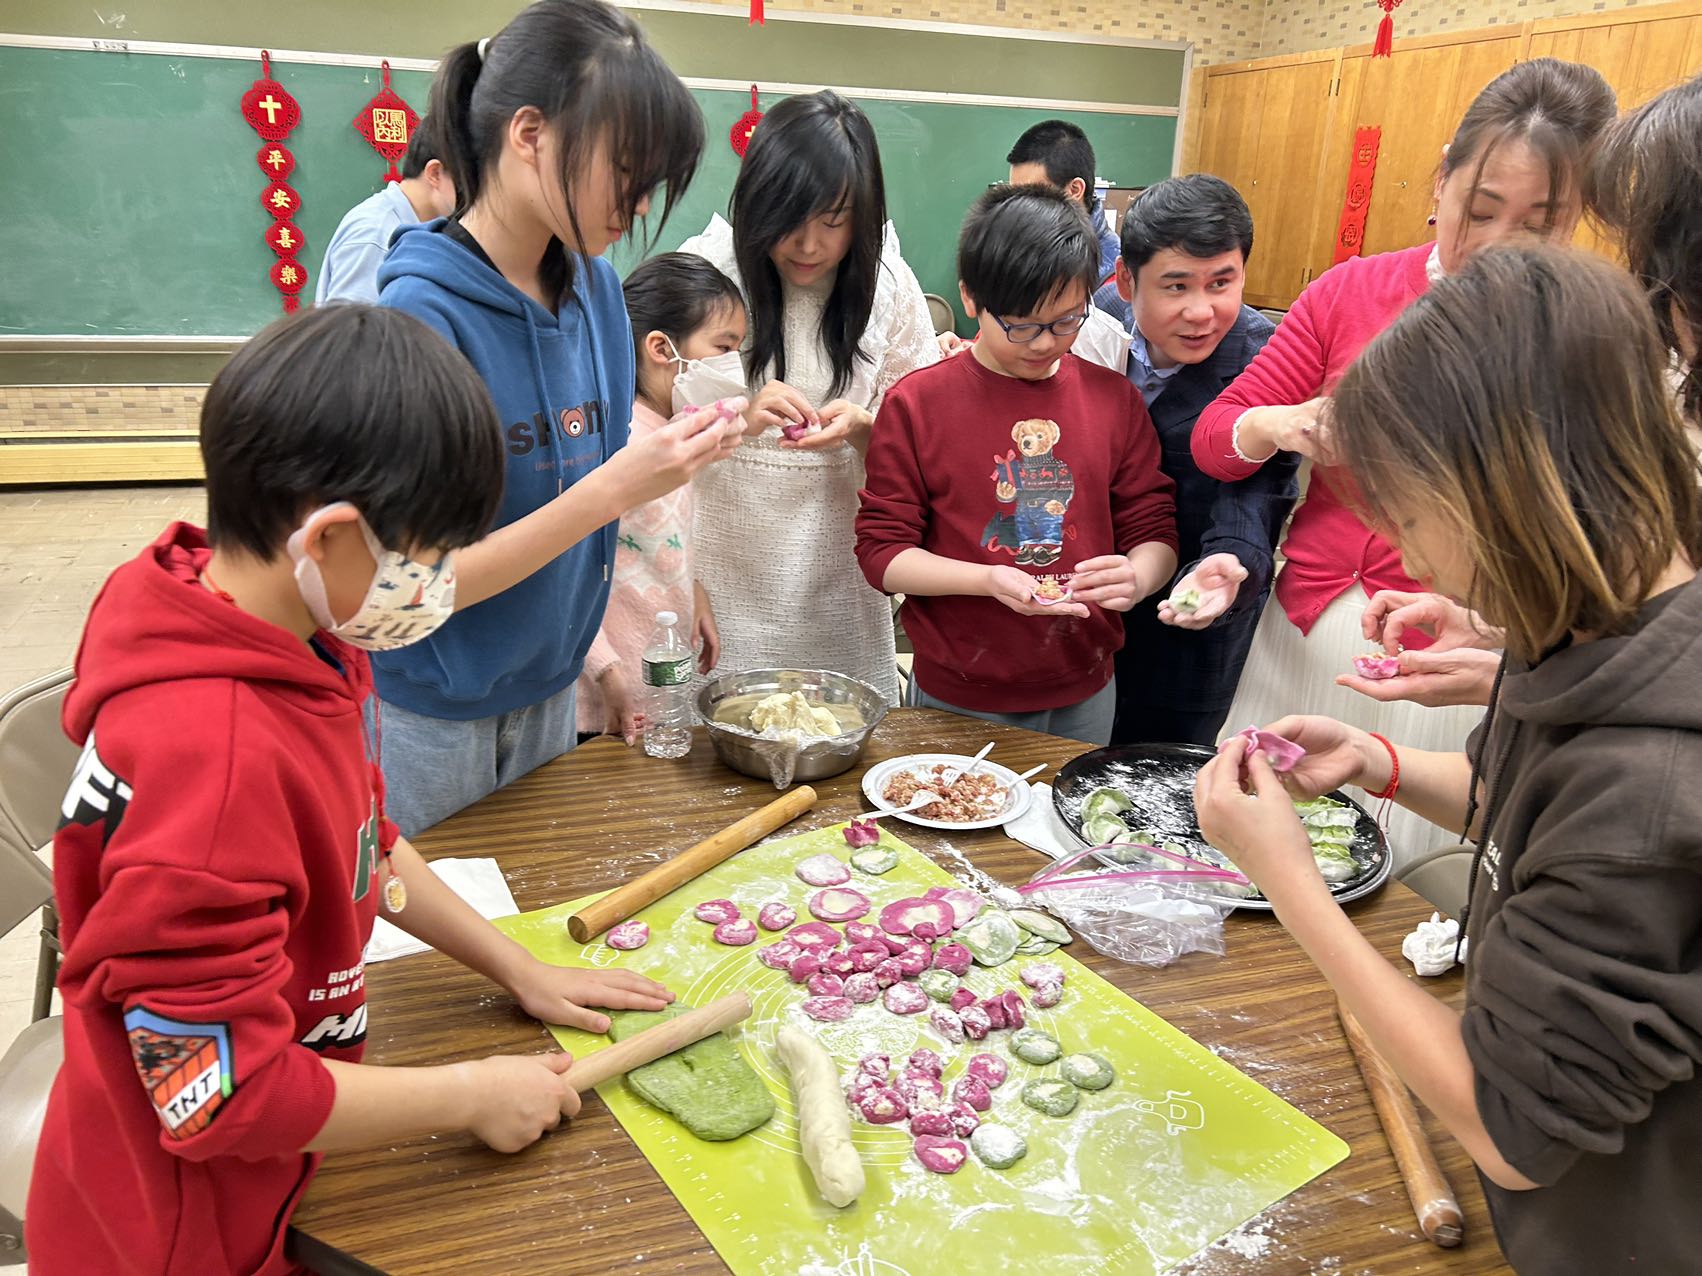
<point x="1297" y="26"/>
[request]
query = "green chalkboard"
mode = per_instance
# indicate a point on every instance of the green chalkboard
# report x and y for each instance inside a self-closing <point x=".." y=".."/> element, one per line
<point x="130" y="195"/>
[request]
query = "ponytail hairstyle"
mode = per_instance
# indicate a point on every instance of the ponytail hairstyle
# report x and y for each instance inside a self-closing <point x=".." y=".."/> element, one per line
<point x="1644" y="189"/>
<point x="586" y="66"/>
<point x="1557" y="109"/>
<point x="1524" y="400"/>
<point x="812" y="154"/>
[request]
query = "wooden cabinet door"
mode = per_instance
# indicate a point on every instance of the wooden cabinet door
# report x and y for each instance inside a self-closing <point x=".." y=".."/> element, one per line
<point x="1229" y="132"/>
<point x="1639" y="59"/>
<point x="1285" y="196"/>
<point x="1417" y="97"/>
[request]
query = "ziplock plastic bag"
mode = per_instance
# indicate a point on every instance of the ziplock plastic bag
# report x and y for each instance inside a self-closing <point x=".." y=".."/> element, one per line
<point x="1146" y="916"/>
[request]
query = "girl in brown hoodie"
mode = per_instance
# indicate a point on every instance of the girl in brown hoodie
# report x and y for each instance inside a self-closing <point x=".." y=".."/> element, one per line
<point x="1513" y="434"/>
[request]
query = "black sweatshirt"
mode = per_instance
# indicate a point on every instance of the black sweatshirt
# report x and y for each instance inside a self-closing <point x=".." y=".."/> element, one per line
<point x="1584" y="987"/>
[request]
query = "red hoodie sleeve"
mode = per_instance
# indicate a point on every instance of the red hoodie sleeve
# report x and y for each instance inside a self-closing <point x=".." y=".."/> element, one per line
<point x="1143" y="497"/>
<point x="1290" y="369"/>
<point x="893" y="515"/>
<point x="199" y="886"/>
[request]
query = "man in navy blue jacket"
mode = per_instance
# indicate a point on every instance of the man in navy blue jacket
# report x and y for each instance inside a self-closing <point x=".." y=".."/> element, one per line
<point x="1185" y="244"/>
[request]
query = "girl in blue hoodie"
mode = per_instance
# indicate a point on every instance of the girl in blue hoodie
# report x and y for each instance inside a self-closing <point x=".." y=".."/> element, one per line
<point x="557" y="130"/>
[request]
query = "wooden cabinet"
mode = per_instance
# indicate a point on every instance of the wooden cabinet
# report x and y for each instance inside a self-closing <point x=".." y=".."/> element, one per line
<point x="1281" y="129"/>
<point x="1265" y="131"/>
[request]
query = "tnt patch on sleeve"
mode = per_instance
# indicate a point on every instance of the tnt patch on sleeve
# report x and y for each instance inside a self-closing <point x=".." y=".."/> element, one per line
<point x="185" y="1068"/>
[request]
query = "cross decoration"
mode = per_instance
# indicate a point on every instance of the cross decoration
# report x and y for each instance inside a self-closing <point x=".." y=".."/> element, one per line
<point x="272" y="112"/>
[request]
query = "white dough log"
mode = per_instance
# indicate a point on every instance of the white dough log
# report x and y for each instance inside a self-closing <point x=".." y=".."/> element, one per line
<point x="824" y="1122"/>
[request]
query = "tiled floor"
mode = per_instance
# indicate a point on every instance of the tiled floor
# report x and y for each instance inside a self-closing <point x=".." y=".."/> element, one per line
<point x="56" y="549"/>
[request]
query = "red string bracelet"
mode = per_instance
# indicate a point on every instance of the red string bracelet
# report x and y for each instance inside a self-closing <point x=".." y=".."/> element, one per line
<point x="1394" y="770"/>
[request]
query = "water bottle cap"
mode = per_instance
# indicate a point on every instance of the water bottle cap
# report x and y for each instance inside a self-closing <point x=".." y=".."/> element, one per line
<point x="666" y="619"/>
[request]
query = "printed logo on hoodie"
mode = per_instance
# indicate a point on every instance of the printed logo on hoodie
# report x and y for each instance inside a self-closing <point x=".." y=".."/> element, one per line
<point x="570" y="423"/>
<point x="97" y="792"/>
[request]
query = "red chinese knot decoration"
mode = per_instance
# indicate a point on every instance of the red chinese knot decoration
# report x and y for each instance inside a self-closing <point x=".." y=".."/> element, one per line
<point x="387" y="122"/>
<point x="1350" y="232"/>
<point x="1384" y="45"/>
<point x="741" y="132"/>
<point x="273" y="113"/>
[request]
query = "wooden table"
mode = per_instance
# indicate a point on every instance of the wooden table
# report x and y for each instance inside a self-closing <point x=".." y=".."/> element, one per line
<point x="585" y="1201"/>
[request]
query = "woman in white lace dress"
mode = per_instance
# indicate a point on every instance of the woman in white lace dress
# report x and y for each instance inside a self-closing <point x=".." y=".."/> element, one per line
<point x="836" y="319"/>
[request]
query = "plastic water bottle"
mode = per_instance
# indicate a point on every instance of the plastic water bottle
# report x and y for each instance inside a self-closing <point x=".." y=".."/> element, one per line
<point x="667" y="690"/>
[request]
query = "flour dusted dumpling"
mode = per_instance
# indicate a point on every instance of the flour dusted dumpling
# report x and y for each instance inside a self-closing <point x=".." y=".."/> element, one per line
<point x="789" y="711"/>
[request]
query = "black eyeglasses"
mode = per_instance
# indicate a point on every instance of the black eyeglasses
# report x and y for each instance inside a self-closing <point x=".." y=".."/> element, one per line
<point x="1023" y="333"/>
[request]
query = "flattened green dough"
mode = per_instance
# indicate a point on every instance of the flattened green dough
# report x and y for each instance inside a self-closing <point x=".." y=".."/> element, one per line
<point x="1031" y="1045"/>
<point x="706" y="1086"/>
<point x="1087" y="1071"/>
<point x="1054" y="1098"/>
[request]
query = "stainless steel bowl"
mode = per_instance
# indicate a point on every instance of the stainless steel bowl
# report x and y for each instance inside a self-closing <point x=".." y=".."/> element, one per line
<point x="779" y="760"/>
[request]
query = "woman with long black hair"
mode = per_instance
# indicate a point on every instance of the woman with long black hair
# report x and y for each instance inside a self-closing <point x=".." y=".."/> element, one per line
<point x="836" y="319"/>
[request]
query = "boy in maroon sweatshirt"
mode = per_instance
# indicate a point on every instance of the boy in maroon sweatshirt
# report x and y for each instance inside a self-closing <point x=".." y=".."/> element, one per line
<point x="1014" y="492"/>
<point x="224" y="847"/>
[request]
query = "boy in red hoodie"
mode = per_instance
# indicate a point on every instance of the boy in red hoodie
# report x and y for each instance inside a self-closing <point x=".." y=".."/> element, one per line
<point x="224" y="847"/>
<point x="1014" y="494"/>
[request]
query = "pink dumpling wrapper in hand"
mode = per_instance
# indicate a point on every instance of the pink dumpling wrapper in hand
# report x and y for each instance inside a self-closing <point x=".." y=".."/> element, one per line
<point x="1283" y="755"/>
<point x="1378" y="667"/>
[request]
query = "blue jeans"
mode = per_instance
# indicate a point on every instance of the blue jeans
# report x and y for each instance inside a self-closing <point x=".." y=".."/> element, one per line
<point x="1090" y="720"/>
<point x="434" y="767"/>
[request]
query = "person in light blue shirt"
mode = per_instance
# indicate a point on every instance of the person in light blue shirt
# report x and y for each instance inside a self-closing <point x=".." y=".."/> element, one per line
<point x="357" y="249"/>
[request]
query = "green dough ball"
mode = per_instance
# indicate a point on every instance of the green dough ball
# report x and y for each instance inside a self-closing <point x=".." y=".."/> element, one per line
<point x="1040" y="925"/>
<point x="1087" y="1071"/>
<point x="938" y="984"/>
<point x="874" y="860"/>
<point x="1054" y="1098"/>
<point x="1036" y="1047"/>
<point x="706" y="1086"/>
<point x="997" y="1146"/>
<point x="991" y="938"/>
<point x="1185" y="601"/>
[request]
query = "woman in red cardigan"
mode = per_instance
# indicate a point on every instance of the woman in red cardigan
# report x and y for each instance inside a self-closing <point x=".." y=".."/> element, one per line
<point x="1512" y="171"/>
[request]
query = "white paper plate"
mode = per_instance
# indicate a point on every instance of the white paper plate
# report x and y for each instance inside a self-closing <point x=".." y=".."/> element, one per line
<point x="1017" y="795"/>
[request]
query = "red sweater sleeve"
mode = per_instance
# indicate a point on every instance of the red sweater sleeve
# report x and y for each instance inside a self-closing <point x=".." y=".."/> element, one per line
<point x="1290" y="369"/>
<point x="893" y="514"/>
<point x="187" y="943"/>
<point x="1143" y="497"/>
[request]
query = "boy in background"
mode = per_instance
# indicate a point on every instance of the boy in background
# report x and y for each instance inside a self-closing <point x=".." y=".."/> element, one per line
<point x="362" y="238"/>
<point x="1057" y="153"/>
<point x="224" y="846"/>
<point x="1185" y="245"/>
<point x="1014" y="492"/>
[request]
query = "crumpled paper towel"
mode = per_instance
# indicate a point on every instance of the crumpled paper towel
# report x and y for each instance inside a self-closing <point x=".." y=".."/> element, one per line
<point x="1430" y="947"/>
<point x="478" y="881"/>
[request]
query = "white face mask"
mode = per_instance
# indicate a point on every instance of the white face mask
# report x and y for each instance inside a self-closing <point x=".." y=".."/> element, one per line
<point x="701" y="382"/>
<point x="405" y="602"/>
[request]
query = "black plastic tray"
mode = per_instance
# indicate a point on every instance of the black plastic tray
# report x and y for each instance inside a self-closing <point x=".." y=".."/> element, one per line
<point x="1159" y="780"/>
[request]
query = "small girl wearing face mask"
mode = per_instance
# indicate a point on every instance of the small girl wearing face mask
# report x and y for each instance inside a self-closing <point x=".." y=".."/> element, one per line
<point x="688" y="321"/>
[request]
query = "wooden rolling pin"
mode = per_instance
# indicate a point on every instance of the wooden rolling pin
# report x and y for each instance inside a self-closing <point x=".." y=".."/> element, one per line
<point x="1433" y="1200"/>
<point x="651" y="1044"/>
<point x="641" y="892"/>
